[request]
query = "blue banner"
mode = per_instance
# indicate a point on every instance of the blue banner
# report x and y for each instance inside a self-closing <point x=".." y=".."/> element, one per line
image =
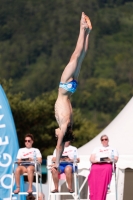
<point x="8" y="147"/>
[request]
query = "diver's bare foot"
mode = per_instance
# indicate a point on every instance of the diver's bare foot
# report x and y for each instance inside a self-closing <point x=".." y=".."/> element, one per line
<point x="83" y="22"/>
<point x="87" y="19"/>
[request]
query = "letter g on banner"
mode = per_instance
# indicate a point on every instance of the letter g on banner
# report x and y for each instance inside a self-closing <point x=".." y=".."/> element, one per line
<point x="7" y="157"/>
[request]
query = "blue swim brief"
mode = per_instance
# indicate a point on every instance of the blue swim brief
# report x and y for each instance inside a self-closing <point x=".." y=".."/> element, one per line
<point x="70" y="86"/>
<point x="62" y="167"/>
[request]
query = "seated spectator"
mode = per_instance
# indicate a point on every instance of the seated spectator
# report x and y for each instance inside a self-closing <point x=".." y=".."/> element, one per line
<point x="100" y="175"/>
<point x="28" y="153"/>
<point x="65" y="167"/>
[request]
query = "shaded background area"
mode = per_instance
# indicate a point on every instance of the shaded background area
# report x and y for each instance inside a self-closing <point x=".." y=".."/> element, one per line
<point x="37" y="39"/>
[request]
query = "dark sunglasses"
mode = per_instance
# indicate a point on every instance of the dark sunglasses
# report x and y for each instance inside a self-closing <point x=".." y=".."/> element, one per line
<point x="28" y="141"/>
<point x="104" y="139"/>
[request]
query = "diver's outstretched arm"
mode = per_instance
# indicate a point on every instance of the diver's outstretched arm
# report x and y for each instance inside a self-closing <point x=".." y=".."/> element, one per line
<point x="60" y="143"/>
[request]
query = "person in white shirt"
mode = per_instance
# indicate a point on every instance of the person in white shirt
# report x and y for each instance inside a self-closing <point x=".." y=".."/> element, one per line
<point x="100" y="175"/>
<point x="28" y="153"/>
<point x="66" y="166"/>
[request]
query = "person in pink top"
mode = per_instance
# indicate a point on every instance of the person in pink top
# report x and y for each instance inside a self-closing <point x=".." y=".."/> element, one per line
<point x="102" y="159"/>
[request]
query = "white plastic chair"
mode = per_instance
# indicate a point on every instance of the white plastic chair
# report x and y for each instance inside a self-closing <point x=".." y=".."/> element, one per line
<point x="38" y="179"/>
<point x="62" y="179"/>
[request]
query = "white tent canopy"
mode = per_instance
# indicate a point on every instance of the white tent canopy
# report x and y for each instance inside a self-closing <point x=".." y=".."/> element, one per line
<point x="119" y="131"/>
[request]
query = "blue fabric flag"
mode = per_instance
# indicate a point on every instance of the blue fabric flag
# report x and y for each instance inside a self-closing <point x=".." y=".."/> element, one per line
<point x="8" y="148"/>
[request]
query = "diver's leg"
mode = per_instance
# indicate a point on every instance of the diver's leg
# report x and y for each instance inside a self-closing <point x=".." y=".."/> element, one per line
<point x="77" y="71"/>
<point x="59" y="146"/>
<point x="72" y="69"/>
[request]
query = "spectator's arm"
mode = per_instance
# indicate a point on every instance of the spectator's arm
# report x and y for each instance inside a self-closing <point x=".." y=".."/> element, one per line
<point x="39" y="160"/>
<point x="115" y="158"/>
<point x="18" y="161"/>
<point x="93" y="159"/>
